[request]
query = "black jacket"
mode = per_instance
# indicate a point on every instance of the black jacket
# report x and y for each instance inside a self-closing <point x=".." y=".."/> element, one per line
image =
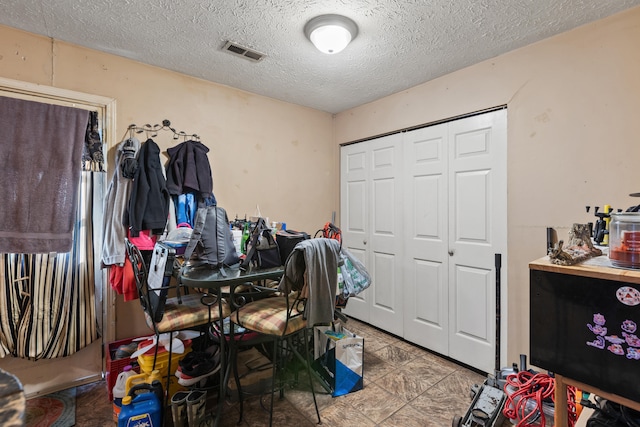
<point x="149" y="200"/>
<point x="188" y="169"/>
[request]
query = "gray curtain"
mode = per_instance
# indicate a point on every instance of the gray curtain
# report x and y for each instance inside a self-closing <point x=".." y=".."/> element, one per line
<point x="48" y="301"/>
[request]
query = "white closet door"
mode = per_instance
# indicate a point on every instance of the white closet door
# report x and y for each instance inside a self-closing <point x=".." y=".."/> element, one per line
<point x="386" y="238"/>
<point x="426" y="210"/>
<point x="426" y="242"/>
<point x="477" y="231"/>
<point x="354" y="218"/>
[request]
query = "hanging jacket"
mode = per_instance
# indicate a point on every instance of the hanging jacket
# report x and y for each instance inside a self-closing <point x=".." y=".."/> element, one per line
<point x="115" y="205"/>
<point x="188" y="169"/>
<point x="149" y="200"/>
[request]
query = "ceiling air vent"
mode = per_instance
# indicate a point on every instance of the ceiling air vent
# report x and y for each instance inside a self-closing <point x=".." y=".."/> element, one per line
<point x="245" y="52"/>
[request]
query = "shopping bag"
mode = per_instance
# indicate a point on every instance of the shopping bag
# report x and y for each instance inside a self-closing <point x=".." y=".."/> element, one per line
<point x="339" y="359"/>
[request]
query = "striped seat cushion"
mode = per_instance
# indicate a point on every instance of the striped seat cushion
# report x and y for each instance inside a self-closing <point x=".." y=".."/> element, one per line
<point x="189" y="314"/>
<point x="268" y="316"/>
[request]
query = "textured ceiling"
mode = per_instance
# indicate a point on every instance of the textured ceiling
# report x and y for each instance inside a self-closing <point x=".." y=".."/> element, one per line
<point x="401" y="43"/>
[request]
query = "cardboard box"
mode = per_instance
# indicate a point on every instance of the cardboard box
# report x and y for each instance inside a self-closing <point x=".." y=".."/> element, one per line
<point x="255" y="371"/>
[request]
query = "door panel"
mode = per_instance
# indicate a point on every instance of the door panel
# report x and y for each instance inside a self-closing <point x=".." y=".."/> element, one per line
<point x="477" y="231"/>
<point x="472" y="192"/>
<point x="385" y="244"/>
<point x="425" y="221"/>
<point x="472" y="286"/>
<point x="355" y="216"/>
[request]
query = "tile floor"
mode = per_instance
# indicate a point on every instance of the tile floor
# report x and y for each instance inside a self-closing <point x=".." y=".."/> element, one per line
<point x="404" y="385"/>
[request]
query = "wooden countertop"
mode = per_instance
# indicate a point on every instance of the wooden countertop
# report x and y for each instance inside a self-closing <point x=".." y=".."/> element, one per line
<point x="598" y="268"/>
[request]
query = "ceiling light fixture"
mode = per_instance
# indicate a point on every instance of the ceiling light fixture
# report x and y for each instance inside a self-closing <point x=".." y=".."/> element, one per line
<point x="331" y="33"/>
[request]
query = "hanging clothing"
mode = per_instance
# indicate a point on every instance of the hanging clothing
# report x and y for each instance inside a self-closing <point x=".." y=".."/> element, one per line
<point x="186" y="207"/>
<point x="121" y="278"/>
<point x="188" y="169"/>
<point x="115" y="204"/>
<point x="149" y="200"/>
<point x="92" y="154"/>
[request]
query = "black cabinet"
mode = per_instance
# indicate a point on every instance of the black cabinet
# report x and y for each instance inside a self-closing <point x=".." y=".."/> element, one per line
<point x="586" y="328"/>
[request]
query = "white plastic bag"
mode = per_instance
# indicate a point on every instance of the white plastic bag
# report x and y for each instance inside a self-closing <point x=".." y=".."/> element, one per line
<point x="355" y="275"/>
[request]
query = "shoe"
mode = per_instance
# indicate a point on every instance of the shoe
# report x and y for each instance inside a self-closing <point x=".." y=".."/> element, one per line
<point x="190" y="358"/>
<point x="194" y="358"/>
<point x="201" y="368"/>
<point x="126" y="350"/>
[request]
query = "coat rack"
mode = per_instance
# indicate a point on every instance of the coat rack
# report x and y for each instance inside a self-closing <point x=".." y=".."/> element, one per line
<point x="152" y="130"/>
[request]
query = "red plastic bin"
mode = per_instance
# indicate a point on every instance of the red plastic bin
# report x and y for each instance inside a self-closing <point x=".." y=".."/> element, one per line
<point x="115" y="366"/>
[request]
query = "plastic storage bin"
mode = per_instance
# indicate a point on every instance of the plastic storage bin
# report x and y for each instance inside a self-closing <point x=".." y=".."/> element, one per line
<point x="115" y="366"/>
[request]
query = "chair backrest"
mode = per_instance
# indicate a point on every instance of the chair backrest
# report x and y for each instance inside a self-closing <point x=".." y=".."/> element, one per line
<point x="152" y="298"/>
<point x="139" y="266"/>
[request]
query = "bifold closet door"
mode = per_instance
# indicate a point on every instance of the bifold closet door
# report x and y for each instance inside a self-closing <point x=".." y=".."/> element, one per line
<point x="477" y="231"/>
<point x="426" y="295"/>
<point x="372" y="203"/>
<point x="354" y="216"/>
<point x="426" y="211"/>
<point x="454" y="224"/>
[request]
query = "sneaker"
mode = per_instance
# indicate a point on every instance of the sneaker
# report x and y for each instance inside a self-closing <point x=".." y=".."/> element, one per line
<point x="192" y="360"/>
<point x="201" y="369"/>
<point x="195" y="357"/>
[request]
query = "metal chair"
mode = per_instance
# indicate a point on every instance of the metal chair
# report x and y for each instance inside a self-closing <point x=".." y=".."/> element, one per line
<point x="304" y="298"/>
<point x="168" y="315"/>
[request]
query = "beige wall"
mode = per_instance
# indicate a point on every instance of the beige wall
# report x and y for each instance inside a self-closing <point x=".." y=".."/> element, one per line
<point x="573" y="105"/>
<point x="264" y="152"/>
<point x="573" y="113"/>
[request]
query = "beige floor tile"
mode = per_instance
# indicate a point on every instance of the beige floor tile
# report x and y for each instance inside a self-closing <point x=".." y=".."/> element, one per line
<point x="408" y="416"/>
<point x="341" y="414"/>
<point x="374" y="402"/>
<point x="394" y="354"/>
<point x="374" y="367"/>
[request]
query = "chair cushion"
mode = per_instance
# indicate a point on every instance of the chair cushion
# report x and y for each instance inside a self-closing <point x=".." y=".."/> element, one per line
<point x="189" y="314"/>
<point x="268" y="316"/>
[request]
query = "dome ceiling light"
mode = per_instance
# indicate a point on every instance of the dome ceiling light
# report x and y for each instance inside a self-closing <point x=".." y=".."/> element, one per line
<point x="330" y="33"/>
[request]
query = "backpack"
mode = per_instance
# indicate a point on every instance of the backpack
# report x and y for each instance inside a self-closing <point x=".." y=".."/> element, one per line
<point x="330" y="231"/>
<point x="262" y="249"/>
<point x="211" y="239"/>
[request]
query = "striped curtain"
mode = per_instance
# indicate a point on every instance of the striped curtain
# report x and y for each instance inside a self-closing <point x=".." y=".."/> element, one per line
<point x="48" y="301"/>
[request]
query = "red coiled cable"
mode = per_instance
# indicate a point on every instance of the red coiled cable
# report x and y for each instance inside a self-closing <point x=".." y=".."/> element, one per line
<point x="537" y="387"/>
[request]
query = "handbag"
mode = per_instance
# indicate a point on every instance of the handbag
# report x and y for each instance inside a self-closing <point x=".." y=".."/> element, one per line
<point x="262" y="249"/>
<point x="287" y="240"/>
